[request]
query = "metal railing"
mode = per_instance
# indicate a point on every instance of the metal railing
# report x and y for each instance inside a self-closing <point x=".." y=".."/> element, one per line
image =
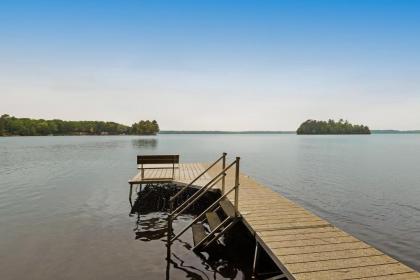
<point x="221" y="176"/>
<point x="184" y="206"/>
<point x="222" y="158"/>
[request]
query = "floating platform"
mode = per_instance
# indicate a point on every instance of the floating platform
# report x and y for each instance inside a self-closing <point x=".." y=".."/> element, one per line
<point x="303" y="245"/>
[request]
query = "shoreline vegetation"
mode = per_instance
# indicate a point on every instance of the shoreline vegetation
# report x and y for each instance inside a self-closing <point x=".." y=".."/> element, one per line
<point x="12" y="126"/>
<point x="314" y="127"/>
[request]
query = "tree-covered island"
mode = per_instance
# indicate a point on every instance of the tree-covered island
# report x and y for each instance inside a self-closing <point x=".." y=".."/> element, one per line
<point x="12" y="126"/>
<point x="331" y="127"/>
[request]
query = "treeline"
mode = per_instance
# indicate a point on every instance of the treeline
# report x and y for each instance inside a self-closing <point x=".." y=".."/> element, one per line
<point x="10" y="126"/>
<point x="331" y="127"/>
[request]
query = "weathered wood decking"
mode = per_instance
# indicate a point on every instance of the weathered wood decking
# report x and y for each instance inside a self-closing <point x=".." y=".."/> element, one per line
<point x="303" y="245"/>
<point x="184" y="173"/>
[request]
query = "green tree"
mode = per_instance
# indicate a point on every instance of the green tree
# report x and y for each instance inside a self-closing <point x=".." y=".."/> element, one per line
<point x="331" y="127"/>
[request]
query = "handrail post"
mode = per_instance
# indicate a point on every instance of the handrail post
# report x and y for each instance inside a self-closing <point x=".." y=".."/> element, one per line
<point x="171" y="205"/>
<point x="237" y="186"/>
<point x="223" y="168"/>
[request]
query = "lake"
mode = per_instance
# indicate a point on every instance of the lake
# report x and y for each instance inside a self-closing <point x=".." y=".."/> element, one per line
<point x="64" y="210"/>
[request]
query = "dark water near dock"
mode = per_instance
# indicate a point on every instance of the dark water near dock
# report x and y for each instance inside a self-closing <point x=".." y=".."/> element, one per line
<point x="64" y="200"/>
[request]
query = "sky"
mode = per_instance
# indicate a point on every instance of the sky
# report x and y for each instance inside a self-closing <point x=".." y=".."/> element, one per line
<point x="212" y="65"/>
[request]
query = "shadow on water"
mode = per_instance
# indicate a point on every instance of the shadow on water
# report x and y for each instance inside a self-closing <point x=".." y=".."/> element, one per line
<point x="150" y="143"/>
<point x="152" y="228"/>
<point x="232" y="261"/>
<point x="155" y="198"/>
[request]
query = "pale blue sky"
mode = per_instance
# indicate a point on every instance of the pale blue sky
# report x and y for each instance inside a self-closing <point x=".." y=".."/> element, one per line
<point x="212" y="65"/>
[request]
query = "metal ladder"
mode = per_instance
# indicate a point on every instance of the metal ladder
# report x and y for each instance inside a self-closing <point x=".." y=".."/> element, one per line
<point x="218" y="218"/>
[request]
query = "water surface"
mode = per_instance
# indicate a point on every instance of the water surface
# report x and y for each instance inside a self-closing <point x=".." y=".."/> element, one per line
<point x="64" y="200"/>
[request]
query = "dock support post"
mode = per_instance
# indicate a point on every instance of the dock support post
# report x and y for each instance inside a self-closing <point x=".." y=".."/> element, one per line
<point x="254" y="263"/>
<point x="168" y="242"/>
<point x="224" y="175"/>
<point x="130" y="194"/>
<point x="170" y="224"/>
<point x="237" y="186"/>
<point x="168" y="245"/>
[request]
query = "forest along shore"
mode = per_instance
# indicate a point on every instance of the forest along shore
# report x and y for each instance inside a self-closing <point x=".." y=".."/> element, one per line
<point x="12" y="126"/>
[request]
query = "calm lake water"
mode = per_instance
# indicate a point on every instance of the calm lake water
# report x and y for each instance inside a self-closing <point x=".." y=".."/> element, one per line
<point x="64" y="200"/>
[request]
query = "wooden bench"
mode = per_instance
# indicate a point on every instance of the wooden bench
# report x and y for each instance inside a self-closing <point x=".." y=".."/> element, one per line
<point x="157" y="162"/>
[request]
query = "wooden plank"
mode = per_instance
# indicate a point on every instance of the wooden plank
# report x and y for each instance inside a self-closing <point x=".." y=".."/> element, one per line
<point x="289" y="225"/>
<point x="159" y="173"/>
<point x="270" y="212"/>
<point x="213" y="220"/>
<point x="297" y="231"/>
<point x="227" y="208"/>
<point x="402" y="276"/>
<point x="286" y="216"/>
<point x="198" y="233"/>
<point x="182" y="170"/>
<point x="309" y="236"/>
<point x="284" y="220"/>
<point x="187" y="173"/>
<point x="317" y="249"/>
<point x="333" y="255"/>
<point x="339" y="264"/>
<point x="309" y="242"/>
<point x="263" y="207"/>
<point x="166" y="173"/>
<point x="157" y="159"/>
<point x="366" y="272"/>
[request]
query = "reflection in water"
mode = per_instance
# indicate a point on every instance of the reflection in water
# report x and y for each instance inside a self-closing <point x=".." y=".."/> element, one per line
<point x="217" y="262"/>
<point x="190" y="271"/>
<point x="148" y="143"/>
<point x="58" y="178"/>
<point x="220" y="262"/>
<point x="155" y="197"/>
<point x="152" y="227"/>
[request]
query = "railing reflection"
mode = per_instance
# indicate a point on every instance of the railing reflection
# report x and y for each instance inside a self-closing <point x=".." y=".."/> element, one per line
<point x="151" y="225"/>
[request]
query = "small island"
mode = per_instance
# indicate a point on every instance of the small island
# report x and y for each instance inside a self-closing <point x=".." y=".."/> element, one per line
<point x="12" y="126"/>
<point x="331" y="127"/>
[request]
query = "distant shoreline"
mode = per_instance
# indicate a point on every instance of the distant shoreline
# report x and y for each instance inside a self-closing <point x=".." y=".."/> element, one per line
<point x="223" y="132"/>
<point x="277" y="132"/>
<point x="217" y="132"/>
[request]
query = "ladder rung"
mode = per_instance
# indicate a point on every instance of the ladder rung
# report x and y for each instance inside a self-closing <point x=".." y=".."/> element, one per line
<point x="227" y="208"/>
<point x="220" y="233"/>
<point x="199" y="233"/>
<point x="213" y="220"/>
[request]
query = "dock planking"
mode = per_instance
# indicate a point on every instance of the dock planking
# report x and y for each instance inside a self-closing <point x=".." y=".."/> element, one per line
<point x="184" y="173"/>
<point x="302" y="244"/>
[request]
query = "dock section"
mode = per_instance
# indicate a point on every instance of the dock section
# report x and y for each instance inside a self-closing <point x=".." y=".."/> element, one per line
<point x="303" y="245"/>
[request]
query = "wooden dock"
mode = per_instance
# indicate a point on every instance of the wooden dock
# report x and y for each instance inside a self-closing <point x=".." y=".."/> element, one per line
<point x="303" y="245"/>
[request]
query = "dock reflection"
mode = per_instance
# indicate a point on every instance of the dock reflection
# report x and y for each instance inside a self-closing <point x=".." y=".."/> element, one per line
<point x="145" y="143"/>
<point x="150" y="228"/>
<point x="181" y="261"/>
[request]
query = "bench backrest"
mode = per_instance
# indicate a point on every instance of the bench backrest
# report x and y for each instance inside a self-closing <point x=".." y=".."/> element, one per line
<point x="158" y="159"/>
